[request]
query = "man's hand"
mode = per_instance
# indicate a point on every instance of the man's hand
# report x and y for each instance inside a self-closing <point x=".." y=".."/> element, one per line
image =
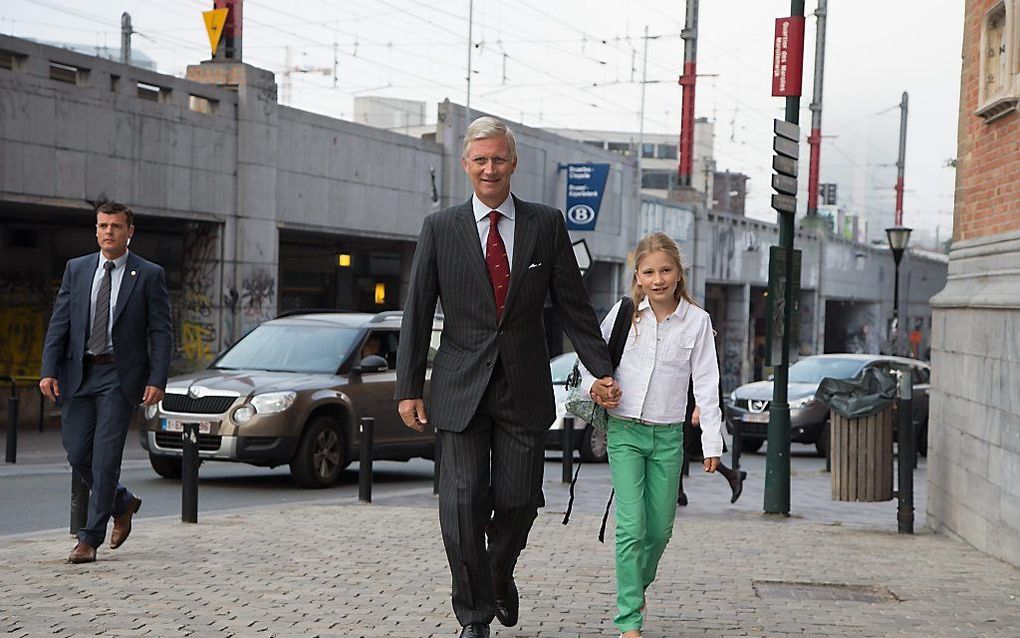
<point x="606" y="392"/>
<point x="50" y="388"/>
<point x="696" y="417"/>
<point x="711" y="464"/>
<point x="152" y="396"/>
<point x="412" y="412"/>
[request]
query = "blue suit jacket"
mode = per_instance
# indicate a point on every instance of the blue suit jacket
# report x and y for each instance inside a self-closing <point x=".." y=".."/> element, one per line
<point x="142" y="330"/>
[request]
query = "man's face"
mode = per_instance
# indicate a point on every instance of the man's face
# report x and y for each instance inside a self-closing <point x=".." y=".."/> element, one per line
<point x="489" y="165"/>
<point x="113" y="233"/>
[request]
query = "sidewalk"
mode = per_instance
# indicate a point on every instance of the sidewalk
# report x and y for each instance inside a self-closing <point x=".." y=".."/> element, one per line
<point x="347" y="569"/>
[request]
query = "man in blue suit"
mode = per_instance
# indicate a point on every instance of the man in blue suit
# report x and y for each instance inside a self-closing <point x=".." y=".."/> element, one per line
<point x="107" y="349"/>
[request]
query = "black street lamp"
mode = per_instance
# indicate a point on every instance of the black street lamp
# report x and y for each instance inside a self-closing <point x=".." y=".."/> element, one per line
<point x="899" y="237"/>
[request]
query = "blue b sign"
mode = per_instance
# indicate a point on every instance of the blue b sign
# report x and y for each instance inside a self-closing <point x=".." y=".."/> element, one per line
<point x="585" y="185"/>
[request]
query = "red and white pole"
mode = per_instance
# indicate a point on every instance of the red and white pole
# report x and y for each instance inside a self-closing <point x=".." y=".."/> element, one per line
<point x="687" y="81"/>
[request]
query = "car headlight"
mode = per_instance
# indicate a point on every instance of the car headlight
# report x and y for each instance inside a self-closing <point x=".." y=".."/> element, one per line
<point x="151" y="411"/>
<point x="733" y="396"/>
<point x="804" y="402"/>
<point x="273" y="402"/>
<point x="243" y="414"/>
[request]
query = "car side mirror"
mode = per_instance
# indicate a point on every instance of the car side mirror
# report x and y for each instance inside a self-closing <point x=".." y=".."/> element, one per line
<point x="371" y="363"/>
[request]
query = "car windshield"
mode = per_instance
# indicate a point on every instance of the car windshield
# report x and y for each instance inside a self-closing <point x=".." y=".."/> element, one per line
<point x="814" y="369"/>
<point x="561" y="367"/>
<point x="290" y="348"/>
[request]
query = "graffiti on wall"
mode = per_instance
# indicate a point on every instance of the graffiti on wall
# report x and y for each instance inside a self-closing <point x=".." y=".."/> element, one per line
<point x="198" y="317"/>
<point x="24" y="305"/>
<point x="258" y="297"/>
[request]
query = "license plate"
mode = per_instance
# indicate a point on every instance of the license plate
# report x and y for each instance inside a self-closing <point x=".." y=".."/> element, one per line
<point x="757" y="418"/>
<point x="172" y="425"/>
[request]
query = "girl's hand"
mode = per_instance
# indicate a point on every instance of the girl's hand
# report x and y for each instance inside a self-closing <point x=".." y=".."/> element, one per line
<point x="711" y="464"/>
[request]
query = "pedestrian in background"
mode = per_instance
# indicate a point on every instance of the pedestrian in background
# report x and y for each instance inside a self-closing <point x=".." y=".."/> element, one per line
<point x="108" y="348"/>
<point x="670" y="343"/>
<point x="693" y="451"/>
<point x="492" y="262"/>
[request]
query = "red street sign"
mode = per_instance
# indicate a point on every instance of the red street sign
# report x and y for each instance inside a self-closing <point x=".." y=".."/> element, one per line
<point x="788" y="57"/>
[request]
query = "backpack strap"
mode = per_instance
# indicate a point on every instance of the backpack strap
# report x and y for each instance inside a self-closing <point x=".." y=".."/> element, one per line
<point x="618" y="337"/>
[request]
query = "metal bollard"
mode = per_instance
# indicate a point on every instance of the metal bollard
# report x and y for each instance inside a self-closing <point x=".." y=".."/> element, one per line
<point x="738" y="444"/>
<point x="189" y="474"/>
<point x="437" y="459"/>
<point x="568" y="448"/>
<point x="12" y="422"/>
<point x="905" y="453"/>
<point x="79" y="502"/>
<point x="365" y="461"/>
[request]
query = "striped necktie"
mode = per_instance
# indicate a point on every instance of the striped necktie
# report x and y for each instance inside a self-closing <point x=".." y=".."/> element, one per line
<point x="101" y="320"/>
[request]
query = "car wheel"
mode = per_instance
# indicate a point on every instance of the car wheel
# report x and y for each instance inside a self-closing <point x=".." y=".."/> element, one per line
<point x="822" y="444"/>
<point x="750" y="446"/>
<point x="166" y="466"/>
<point x="594" y="447"/>
<point x="321" y="455"/>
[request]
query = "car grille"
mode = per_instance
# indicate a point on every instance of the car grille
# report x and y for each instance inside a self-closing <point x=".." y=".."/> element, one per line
<point x="174" y="441"/>
<point x="184" y="404"/>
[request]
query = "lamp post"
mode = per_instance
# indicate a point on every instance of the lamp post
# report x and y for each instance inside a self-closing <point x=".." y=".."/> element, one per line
<point x="899" y="237"/>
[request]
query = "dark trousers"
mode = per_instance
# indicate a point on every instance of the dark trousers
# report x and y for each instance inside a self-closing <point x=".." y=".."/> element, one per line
<point x="94" y="425"/>
<point x="490" y="486"/>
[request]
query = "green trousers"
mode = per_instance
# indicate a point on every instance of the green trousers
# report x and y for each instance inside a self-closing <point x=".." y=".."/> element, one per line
<point x="645" y="464"/>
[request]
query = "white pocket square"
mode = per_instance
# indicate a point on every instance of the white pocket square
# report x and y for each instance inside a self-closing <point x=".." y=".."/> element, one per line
<point x="535" y="265"/>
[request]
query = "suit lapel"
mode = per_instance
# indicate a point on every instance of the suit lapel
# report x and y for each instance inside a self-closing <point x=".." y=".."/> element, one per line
<point x="474" y="259"/>
<point x="127" y="284"/>
<point x="525" y="233"/>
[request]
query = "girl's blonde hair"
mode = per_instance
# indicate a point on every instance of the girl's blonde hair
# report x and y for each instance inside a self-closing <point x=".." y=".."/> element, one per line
<point x="659" y="242"/>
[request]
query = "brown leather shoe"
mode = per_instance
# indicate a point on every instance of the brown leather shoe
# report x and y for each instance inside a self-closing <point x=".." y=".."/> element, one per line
<point x="82" y="553"/>
<point x="122" y="524"/>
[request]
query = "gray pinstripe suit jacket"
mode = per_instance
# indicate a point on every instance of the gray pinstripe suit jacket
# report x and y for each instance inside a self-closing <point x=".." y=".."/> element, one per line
<point x="449" y="266"/>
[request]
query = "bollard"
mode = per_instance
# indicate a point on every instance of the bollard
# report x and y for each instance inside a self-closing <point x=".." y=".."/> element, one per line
<point x="189" y="474"/>
<point x="79" y="502"/>
<point x="12" y="422"/>
<point x="738" y="444"/>
<point x="905" y="453"/>
<point x="437" y="459"/>
<point x="365" y="461"/>
<point x="568" y="448"/>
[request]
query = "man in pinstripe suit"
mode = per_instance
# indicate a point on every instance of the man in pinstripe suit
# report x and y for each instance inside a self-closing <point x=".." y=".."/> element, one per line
<point x="491" y="261"/>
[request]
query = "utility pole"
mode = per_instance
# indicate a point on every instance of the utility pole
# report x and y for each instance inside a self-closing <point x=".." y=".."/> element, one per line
<point x="815" y="139"/>
<point x="687" y="81"/>
<point x="902" y="159"/>
<point x="289" y="69"/>
<point x="125" y="37"/>
<point x="641" y="124"/>
<point x="471" y="24"/>
<point x="784" y="271"/>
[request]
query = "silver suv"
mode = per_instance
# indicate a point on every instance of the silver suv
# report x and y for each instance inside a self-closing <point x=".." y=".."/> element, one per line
<point x="292" y="392"/>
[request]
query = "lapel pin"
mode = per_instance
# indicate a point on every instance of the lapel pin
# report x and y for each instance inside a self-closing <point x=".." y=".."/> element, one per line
<point x="133" y="273"/>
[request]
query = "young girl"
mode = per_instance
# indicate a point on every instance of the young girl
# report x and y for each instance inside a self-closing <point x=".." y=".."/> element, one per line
<point x="670" y="342"/>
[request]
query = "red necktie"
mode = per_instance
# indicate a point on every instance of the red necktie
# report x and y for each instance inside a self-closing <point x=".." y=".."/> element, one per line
<point x="497" y="263"/>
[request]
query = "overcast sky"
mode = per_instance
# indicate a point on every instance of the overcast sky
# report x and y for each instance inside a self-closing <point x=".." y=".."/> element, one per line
<point x="578" y="63"/>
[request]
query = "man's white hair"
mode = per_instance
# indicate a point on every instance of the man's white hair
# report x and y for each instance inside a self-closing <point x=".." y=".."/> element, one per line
<point x="486" y="127"/>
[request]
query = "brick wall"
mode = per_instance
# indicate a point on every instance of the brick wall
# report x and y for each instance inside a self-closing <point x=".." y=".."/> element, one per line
<point x="988" y="156"/>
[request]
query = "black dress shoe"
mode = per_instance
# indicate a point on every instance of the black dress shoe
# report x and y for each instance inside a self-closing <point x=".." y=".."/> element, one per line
<point x="737" y="486"/>
<point x="681" y="500"/>
<point x="475" y="630"/>
<point x="508" y="605"/>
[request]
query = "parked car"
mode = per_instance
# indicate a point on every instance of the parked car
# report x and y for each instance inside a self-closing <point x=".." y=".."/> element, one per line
<point x="292" y="392"/>
<point x="809" y="418"/>
<point x="589" y="442"/>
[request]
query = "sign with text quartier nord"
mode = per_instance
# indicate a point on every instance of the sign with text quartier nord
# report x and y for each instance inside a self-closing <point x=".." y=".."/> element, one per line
<point x="585" y="185"/>
<point x="788" y="56"/>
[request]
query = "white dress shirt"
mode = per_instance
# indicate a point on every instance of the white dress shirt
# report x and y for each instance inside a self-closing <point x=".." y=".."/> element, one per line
<point x="505" y="226"/>
<point x="659" y="359"/>
<point x="116" y="276"/>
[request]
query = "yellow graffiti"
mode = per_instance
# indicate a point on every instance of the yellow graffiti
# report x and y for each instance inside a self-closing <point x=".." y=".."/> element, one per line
<point x="22" y="333"/>
<point x="195" y="341"/>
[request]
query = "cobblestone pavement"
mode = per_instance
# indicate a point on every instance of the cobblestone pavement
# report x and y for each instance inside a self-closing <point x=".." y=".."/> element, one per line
<point x="349" y="569"/>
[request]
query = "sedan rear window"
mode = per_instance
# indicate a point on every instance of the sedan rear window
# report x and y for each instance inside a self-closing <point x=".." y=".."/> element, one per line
<point x="814" y="369"/>
<point x="290" y="348"/>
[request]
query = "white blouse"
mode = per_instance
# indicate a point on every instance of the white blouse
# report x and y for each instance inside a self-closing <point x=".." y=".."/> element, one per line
<point x="659" y="360"/>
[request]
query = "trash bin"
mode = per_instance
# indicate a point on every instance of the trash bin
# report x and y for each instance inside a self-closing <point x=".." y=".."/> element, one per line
<point x="861" y="439"/>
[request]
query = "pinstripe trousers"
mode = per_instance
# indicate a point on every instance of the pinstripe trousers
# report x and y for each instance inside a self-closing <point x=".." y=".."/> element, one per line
<point x="490" y="487"/>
